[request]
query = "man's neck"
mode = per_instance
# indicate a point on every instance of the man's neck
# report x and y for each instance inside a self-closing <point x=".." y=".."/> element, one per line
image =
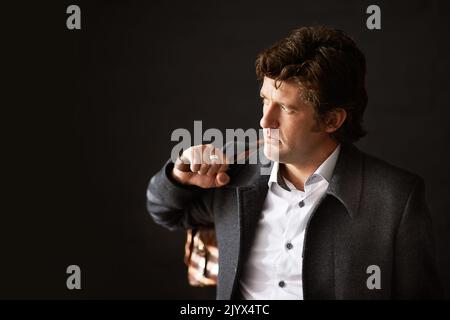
<point x="298" y="173"/>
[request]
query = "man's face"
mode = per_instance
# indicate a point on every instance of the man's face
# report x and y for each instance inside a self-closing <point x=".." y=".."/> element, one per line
<point x="299" y="133"/>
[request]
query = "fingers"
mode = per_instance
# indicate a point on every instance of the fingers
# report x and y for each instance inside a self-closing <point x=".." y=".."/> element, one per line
<point x="205" y="160"/>
<point x="195" y="167"/>
<point x="213" y="169"/>
<point x="203" y="165"/>
<point x="203" y="168"/>
<point x="201" y="158"/>
<point x="222" y="179"/>
<point x="182" y="164"/>
<point x="218" y="163"/>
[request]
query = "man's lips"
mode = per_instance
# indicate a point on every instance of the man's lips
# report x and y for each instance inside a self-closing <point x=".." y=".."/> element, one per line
<point x="272" y="140"/>
<point x="272" y="137"/>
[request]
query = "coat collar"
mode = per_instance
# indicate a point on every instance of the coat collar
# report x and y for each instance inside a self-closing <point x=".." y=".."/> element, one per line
<point x="345" y="184"/>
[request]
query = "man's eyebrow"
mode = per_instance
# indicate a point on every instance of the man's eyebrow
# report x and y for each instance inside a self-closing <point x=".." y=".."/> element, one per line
<point x="287" y="105"/>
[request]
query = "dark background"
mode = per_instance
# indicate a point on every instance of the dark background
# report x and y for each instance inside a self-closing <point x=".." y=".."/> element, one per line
<point x="89" y="113"/>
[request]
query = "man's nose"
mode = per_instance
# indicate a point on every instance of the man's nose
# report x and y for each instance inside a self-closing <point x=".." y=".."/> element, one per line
<point x="270" y="117"/>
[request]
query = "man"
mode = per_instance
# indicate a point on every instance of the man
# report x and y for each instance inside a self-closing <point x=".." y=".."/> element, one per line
<point x="329" y="222"/>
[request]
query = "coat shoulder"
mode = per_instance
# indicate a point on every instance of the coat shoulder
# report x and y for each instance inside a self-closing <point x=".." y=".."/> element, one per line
<point x="386" y="190"/>
<point x="387" y="177"/>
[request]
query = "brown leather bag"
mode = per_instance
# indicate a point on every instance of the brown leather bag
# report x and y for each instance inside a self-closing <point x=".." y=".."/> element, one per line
<point x="202" y="257"/>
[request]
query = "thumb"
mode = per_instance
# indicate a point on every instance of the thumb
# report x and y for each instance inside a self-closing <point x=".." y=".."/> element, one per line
<point x="222" y="179"/>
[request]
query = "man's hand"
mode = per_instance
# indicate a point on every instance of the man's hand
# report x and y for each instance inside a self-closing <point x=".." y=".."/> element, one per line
<point x="203" y="166"/>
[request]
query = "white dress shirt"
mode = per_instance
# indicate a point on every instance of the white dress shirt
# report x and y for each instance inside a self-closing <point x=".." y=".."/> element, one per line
<point x="274" y="268"/>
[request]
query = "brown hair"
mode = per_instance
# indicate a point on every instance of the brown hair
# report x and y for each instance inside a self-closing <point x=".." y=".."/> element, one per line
<point x="328" y="66"/>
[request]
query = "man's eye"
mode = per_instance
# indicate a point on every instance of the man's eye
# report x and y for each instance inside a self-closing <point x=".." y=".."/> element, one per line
<point x="285" y="109"/>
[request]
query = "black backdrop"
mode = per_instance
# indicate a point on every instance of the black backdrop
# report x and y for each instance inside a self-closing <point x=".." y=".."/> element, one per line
<point x="91" y="112"/>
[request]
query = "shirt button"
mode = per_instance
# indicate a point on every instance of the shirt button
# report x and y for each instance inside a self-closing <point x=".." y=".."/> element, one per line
<point x="289" y="246"/>
<point x="301" y="204"/>
<point x="281" y="284"/>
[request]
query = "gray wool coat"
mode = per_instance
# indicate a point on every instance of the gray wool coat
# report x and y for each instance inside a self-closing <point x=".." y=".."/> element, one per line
<point x="372" y="214"/>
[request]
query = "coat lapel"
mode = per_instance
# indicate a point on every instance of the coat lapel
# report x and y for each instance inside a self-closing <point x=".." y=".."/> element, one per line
<point x="251" y="201"/>
<point x="346" y="182"/>
<point x="251" y="191"/>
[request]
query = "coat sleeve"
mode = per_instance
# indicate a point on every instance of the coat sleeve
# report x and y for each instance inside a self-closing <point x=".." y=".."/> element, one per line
<point x="176" y="206"/>
<point x="415" y="271"/>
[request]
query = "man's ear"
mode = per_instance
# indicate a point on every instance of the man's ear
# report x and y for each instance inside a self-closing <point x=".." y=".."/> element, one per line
<point x="335" y="119"/>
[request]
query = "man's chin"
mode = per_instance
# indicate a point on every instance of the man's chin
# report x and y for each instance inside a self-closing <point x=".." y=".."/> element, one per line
<point x="272" y="152"/>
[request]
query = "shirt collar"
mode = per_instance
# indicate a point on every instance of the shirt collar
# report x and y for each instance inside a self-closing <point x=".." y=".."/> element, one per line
<point x="324" y="171"/>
